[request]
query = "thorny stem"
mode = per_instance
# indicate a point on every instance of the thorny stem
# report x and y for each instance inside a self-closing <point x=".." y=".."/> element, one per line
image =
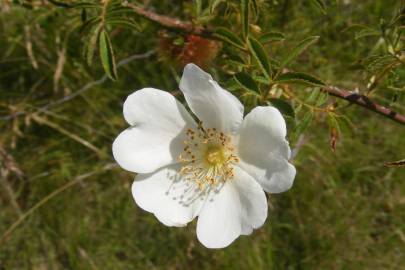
<point x="350" y="96"/>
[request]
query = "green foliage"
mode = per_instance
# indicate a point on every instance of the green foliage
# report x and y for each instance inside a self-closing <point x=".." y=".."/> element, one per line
<point x="299" y="78"/>
<point x="260" y="56"/>
<point x="298" y="49"/>
<point x="244" y="80"/>
<point x="60" y="112"/>
<point x="229" y="37"/>
<point x="107" y="55"/>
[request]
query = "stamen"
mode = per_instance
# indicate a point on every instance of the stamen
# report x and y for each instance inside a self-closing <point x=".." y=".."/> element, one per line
<point x="208" y="157"/>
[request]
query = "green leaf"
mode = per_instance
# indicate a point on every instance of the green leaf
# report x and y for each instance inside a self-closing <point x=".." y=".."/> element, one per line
<point x="245" y="17"/>
<point x="261" y="79"/>
<point x="320" y="5"/>
<point x="283" y="106"/>
<point x="60" y="4"/>
<point x="91" y="44"/>
<point x="333" y="123"/>
<point x="271" y="36"/>
<point x="107" y="55"/>
<point x="255" y="8"/>
<point x="244" y="80"/>
<point x="301" y="46"/>
<point x="89" y="24"/>
<point x="367" y="33"/>
<point x="213" y="4"/>
<point x="299" y="78"/>
<point x="124" y="23"/>
<point x="303" y="124"/>
<point x="260" y="55"/>
<point x="198" y="7"/>
<point x="86" y="5"/>
<point x="229" y="37"/>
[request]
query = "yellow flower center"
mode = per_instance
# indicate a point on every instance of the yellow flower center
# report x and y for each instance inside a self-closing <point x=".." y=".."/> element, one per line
<point x="215" y="155"/>
<point x="208" y="157"/>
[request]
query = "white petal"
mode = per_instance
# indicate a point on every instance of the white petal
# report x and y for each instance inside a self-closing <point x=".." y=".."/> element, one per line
<point x="214" y="106"/>
<point x="174" y="201"/>
<point x="275" y="176"/>
<point x="239" y="207"/>
<point x="156" y="139"/>
<point x="264" y="151"/>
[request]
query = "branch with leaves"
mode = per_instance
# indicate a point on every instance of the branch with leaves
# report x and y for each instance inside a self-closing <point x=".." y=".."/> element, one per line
<point x="351" y="96"/>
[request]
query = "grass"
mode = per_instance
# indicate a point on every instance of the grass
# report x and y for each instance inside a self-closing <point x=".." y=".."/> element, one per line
<point x="345" y="210"/>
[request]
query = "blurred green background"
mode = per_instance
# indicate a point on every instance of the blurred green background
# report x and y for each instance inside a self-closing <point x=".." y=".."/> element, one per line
<point x="64" y="204"/>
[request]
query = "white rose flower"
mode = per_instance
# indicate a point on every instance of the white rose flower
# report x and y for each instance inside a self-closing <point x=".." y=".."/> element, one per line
<point x="215" y="169"/>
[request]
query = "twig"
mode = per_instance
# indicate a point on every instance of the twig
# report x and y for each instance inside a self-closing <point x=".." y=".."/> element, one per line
<point x="365" y="102"/>
<point x="350" y="96"/>
<point x="53" y="194"/>
<point x="83" y="89"/>
<point x="170" y="22"/>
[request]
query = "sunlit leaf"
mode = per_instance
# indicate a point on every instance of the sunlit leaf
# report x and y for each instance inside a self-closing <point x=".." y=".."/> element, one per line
<point x="107" y="55"/>
<point x="260" y="55"/>
<point x="92" y="43"/>
<point x="303" y="124"/>
<point x="271" y="36"/>
<point x="367" y="33"/>
<point x="299" y="48"/>
<point x="299" y="78"/>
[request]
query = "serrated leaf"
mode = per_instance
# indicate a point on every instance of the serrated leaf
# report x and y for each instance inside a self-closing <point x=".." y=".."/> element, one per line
<point x="322" y="98"/>
<point x="244" y="80"/>
<point x="107" y="55"/>
<point x="366" y="33"/>
<point x="89" y="24"/>
<point x="283" y="106"/>
<point x="124" y="23"/>
<point x="245" y="17"/>
<point x="313" y="96"/>
<point x="303" y="124"/>
<point x="320" y="5"/>
<point x="299" y="78"/>
<point x="333" y="123"/>
<point x="299" y="48"/>
<point x="376" y="63"/>
<point x="271" y="36"/>
<point x="260" y="55"/>
<point x="229" y="37"/>
<point x="91" y="44"/>
<point x="261" y="79"/>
